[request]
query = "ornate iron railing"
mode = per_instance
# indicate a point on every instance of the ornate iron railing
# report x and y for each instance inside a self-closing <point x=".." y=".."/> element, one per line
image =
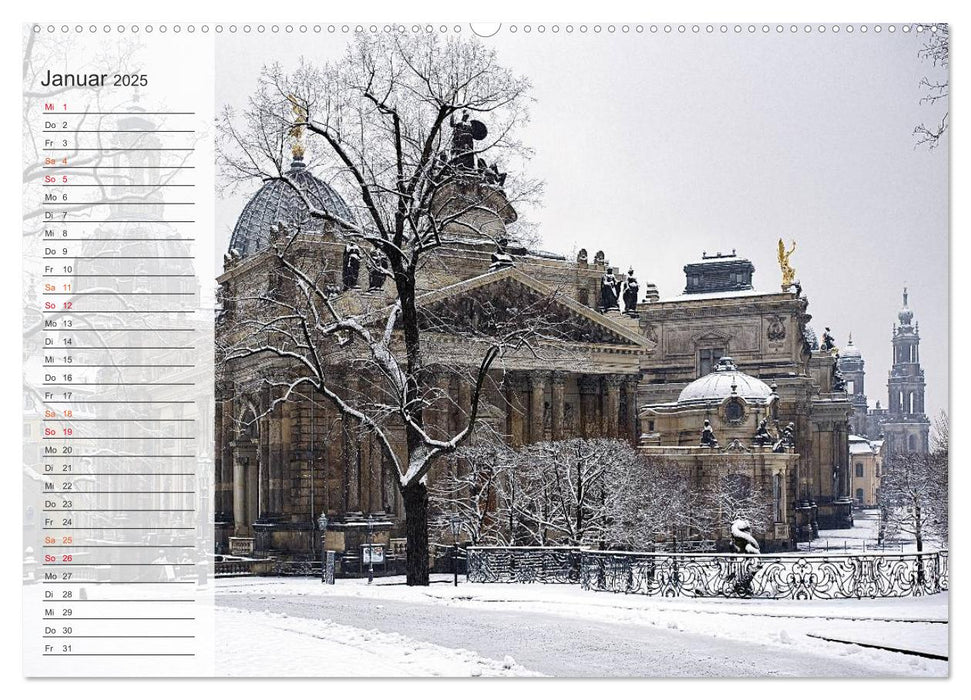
<point x="524" y="564"/>
<point x="792" y="576"/>
<point x="766" y="576"/>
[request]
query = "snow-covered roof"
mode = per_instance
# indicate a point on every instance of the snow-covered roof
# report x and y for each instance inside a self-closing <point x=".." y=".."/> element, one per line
<point x="714" y="295"/>
<point x="860" y="445"/>
<point x="723" y="382"/>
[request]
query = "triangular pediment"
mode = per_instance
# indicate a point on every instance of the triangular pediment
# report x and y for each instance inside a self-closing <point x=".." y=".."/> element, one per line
<point x="508" y="296"/>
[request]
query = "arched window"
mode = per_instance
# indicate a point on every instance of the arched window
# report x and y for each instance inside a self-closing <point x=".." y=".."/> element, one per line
<point x="859" y="496"/>
<point x="912" y="443"/>
<point x="859" y="469"/>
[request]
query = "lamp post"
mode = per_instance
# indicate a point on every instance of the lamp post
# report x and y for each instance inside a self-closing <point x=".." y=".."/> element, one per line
<point x="322" y="524"/>
<point x="456" y="524"/>
<point x="370" y="549"/>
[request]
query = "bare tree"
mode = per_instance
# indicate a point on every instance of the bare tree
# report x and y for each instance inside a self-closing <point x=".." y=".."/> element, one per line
<point x="476" y="488"/>
<point x="936" y="89"/>
<point x="914" y="496"/>
<point x="733" y="496"/>
<point x="377" y="121"/>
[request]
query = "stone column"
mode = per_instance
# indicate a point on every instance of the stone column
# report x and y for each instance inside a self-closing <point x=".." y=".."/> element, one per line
<point x="263" y="464"/>
<point x="612" y="405"/>
<point x="333" y="462"/>
<point x="375" y="474"/>
<point x="275" y="462"/>
<point x="239" y="491"/>
<point x="226" y="472"/>
<point x="537" y="405"/>
<point x="462" y="416"/>
<point x="630" y="402"/>
<point x="437" y="419"/>
<point x="557" y="380"/>
<point x="589" y="385"/>
<point x="351" y="456"/>
<point x="516" y="409"/>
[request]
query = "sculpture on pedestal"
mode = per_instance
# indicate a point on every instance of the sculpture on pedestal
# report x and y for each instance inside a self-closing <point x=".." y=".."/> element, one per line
<point x="378" y="272"/>
<point x="501" y="258"/>
<point x="630" y="293"/>
<point x="609" y="291"/>
<point x="839" y="382"/>
<point x="708" y="438"/>
<point x="829" y="343"/>
<point x="742" y="540"/>
<point x="762" y="435"/>
<point x="788" y="273"/>
<point x="351" y="265"/>
<point x="788" y="438"/>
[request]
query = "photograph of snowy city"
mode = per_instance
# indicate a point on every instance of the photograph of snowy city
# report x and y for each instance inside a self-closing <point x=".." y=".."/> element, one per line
<point x="582" y="351"/>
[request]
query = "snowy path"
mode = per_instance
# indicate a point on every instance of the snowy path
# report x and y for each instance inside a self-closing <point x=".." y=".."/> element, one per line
<point x="561" y="631"/>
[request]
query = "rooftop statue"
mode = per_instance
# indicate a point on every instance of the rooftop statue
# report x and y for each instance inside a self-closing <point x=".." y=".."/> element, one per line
<point x="788" y="438"/>
<point x="708" y="436"/>
<point x="465" y="132"/>
<point x="630" y="293"/>
<point x="762" y="435"/>
<point x="501" y="258"/>
<point x="829" y="342"/>
<point x="788" y="272"/>
<point x="609" y="291"/>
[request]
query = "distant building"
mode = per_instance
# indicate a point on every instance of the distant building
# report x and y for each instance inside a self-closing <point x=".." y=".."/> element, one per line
<point x="903" y="423"/>
<point x="866" y="463"/>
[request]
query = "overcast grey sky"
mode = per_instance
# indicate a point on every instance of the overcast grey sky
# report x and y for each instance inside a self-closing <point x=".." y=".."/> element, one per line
<point x="655" y="147"/>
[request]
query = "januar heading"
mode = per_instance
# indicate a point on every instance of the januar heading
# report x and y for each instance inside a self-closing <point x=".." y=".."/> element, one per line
<point x="53" y="79"/>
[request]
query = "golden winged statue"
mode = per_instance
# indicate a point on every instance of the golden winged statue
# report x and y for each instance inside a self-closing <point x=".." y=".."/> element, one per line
<point x="296" y="131"/>
<point x="788" y="272"/>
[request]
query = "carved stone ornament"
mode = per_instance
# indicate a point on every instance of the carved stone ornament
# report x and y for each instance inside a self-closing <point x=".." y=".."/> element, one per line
<point x="777" y="329"/>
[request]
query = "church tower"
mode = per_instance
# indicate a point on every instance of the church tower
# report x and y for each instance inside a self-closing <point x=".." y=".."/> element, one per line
<point x="907" y="427"/>
<point x="851" y="366"/>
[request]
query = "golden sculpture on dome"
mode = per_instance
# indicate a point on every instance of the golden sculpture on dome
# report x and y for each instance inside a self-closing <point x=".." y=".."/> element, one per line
<point x="296" y="131"/>
<point x="788" y="272"/>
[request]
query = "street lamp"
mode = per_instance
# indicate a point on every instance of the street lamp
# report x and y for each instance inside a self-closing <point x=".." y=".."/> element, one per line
<point x="370" y="549"/>
<point x="322" y="524"/>
<point x="455" y="522"/>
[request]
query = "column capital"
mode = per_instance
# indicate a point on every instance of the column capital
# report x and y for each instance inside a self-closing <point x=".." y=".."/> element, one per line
<point x="557" y="378"/>
<point x="614" y="380"/>
<point x="538" y="380"/>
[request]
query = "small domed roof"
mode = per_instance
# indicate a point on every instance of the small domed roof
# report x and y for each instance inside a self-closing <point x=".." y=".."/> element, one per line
<point x="850" y="350"/>
<point x="277" y="201"/>
<point x="724" y="381"/>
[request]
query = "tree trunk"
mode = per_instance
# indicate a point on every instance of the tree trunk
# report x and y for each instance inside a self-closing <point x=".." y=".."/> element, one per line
<point x="416" y="530"/>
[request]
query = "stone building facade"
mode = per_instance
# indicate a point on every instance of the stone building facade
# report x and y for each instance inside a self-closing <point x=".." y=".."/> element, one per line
<point x="279" y="466"/>
<point x="278" y="470"/>
<point x="767" y="338"/>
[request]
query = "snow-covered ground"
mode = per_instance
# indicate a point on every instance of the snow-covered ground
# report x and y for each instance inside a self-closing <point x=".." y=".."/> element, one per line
<point x="863" y="536"/>
<point x="274" y="644"/>
<point x="746" y="628"/>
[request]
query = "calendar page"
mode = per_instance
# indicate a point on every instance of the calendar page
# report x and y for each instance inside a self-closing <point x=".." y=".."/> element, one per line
<point x="612" y="350"/>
